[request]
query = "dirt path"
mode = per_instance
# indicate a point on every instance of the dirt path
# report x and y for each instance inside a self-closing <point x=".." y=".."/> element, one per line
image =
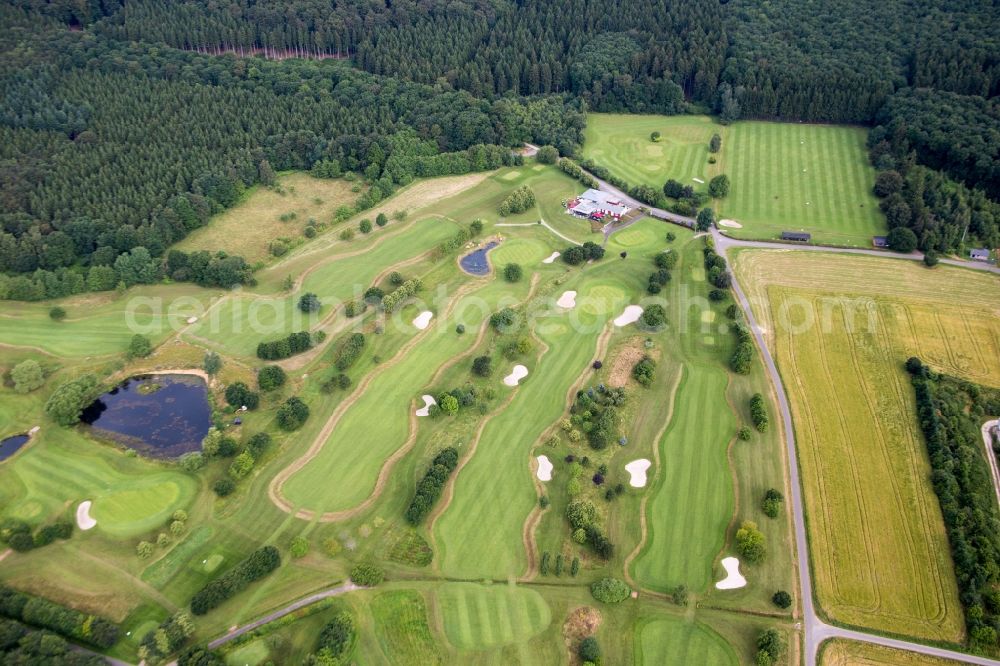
<point x="274" y="488"/>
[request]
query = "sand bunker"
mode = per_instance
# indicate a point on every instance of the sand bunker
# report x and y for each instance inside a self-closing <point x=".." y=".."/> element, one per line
<point x="426" y="409"/>
<point x="552" y="257"/>
<point x="732" y="224"/>
<point x="733" y="579"/>
<point x="637" y="468"/>
<point x="698" y="180"/>
<point x="423" y="319"/>
<point x="544" y="472"/>
<point x="567" y="300"/>
<point x="629" y="316"/>
<point x="516" y="375"/>
<point x="83" y="519"/>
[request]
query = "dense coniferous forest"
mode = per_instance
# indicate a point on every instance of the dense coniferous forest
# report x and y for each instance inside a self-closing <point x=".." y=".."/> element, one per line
<point x="113" y="146"/>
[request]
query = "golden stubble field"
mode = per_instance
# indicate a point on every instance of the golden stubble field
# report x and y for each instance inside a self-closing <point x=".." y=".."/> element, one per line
<point x="841" y="328"/>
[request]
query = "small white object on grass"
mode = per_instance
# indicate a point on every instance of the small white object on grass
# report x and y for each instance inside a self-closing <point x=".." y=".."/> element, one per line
<point x="637" y="469"/>
<point x="630" y="315"/>
<point x="83" y="519"/>
<point x="423" y="319"/>
<point x="544" y="472"/>
<point x="516" y="375"/>
<point x="426" y="409"/>
<point x="733" y="580"/>
<point x="567" y="300"/>
<point x="698" y="180"/>
<point x="552" y="257"/>
<point x="192" y="320"/>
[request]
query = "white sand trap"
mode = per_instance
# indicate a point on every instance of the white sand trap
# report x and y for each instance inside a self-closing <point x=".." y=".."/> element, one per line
<point x="567" y="300"/>
<point x="637" y="468"/>
<point x="423" y="319"/>
<point x="733" y="579"/>
<point x="544" y="472"/>
<point x="83" y="519"/>
<point x="698" y="180"/>
<point x="732" y="224"/>
<point x="426" y="409"/>
<point x="516" y="375"/>
<point x="629" y="316"/>
<point x="552" y="257"/>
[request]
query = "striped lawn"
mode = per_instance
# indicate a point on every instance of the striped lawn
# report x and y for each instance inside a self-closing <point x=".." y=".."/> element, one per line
<point x="478" y="617"/>
<point x="671" y="640"/>
<point x="789" y="176"/>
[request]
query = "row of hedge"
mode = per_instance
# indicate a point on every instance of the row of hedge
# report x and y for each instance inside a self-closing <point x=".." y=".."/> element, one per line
<point x="259" y="564"/>
<point x="349" y="351"/>
<point x="429" y="488"/>
<point x="394" y="299"/>
<point x="17" y="534"/>
<point x="295" y="343"/>
<point x="573" y="169"/>
<point x="71" y="624"/>
<point x="758" y="412"/>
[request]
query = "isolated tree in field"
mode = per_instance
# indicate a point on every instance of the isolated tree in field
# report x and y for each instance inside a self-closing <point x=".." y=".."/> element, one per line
<point x="931" y="258"/>
<point x="271" y="377"/>
<point x="513" y="272"/>
<point x="309" y="302"/>
<point x="902" y="239"/>
<point x="706" y="218"/>
<point x="139" y="347"/>
<point x="239" y="395"/>
<point x="718" y="187"/>
<point x="547" y="155"/>
<point x="57" y="314"/>
<point x="381" y="219"/>
<point x="715" y="143"/>
<point x="448" y="404"/>
<point x="212" y="364"/>
<point x="292" y="414"/>
<point x="770" y="646"/>
<point x="654" y="316"/>
<point x="610" y="590"/>
<point x="27" y="376"/>
<point x="750" y="542"/>
<point x="299" y="546"/>
<point x="782" y="599"/>
<point x="483" y="366"/>
<point x="771" y="505"/>
<point x="365" y="226"/>
<point x="589" y="650"/>
<point x="654" y="136"/>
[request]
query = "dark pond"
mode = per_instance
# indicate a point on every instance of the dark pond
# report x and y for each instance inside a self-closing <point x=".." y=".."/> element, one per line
<point x="475" y="262"/>
<point x="163" y="416"/>
<point x="11" y="445"/>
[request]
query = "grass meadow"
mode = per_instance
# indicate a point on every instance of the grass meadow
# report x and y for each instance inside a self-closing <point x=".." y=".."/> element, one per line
<point x="842" y="328"/>
<point x="784" y="176"/>
<point x="840" y="652"/>
<point x="248" y="228"/>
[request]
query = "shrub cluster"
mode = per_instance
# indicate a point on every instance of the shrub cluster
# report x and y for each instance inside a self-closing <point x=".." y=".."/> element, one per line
<point x="595" y="413"/>
<point x="577" y="254"/>
<point x="395" y="298"/>
<point x="429" y="488"/>
<point x="271" y="377"/>
<point x="239" y="395"/>
<point x="654" y="317"/>
<point x="664" y="262"/>
<point x="741" y="361"/>
<point x="750" y="542"/>
<point x="336" y="639"/>
<point x="68" y="623"/>
<point x="17" y="534"/>
<point x="367" y="574"/>
<point x="349" y="351"/>
<point x="610" y="590"/>
<point x="21" y="644"/>
<point x="517" y="201"/>
<point x="67" y="402"/>
<point x="295" y="343"/>
<point x="771" y="505"/>
<point x="950" y="412"/>
<point x="504" y="320"/>
<point x="582" y="516"/>
<point x="644" y="370"/>
<point x="758" y="412"/>
<point x="292" y="414"/>
<point x="260" y="563"/>
<point x="643" y="193"/>
<point x="167" y="638"/>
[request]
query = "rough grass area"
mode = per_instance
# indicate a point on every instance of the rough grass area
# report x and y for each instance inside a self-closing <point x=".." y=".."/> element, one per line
<point x="248" y="228"/>
<point x="402" y="630"/>
<point x="839" y="652"/>
<point x="842" y="328"/>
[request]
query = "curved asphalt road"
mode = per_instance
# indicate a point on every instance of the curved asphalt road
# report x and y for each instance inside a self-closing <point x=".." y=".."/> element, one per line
<point x="815" y="630"/>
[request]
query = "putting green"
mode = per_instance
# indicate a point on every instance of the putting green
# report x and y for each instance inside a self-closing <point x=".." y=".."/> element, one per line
<point x="669" y="640"/>
<point x="524" y="251"/>
<point x="253" y="653"/>
<point x="479" y="617"/>
<point x="137" y="506"/>
<point x="637" y="236"/>
<point x="130" y="495"/>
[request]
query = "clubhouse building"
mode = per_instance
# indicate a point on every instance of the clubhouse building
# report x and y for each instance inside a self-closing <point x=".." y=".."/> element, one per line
<point x="596" y="205"/>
